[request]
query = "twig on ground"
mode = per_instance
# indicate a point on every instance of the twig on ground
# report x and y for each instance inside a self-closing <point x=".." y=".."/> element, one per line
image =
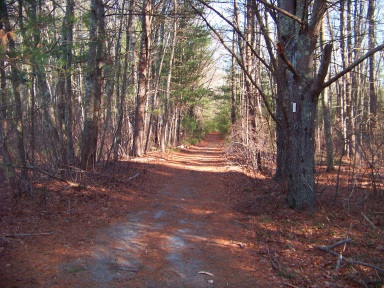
<point x="72" y="184"/>
<point x="341" y="242"/>
<point x="347" y="260"/>
<point x="205" y="272"/>
<point x="369" y="221"/>
<point x="133" y="177"/>
<point x="275" y="263"/>
<point x="26" y="234"/>
<point x="37" y="169"/>
<point x="290" y="285"/>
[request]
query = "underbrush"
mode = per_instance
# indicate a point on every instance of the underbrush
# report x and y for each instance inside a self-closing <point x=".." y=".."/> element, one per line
<point x="341" y="244"/>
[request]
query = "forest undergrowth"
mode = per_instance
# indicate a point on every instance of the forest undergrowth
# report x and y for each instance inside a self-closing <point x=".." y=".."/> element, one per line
<point x="342" y="237"/>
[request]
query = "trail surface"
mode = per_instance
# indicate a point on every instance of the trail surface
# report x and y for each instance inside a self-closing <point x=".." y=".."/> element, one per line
<point x="179" y="232"/>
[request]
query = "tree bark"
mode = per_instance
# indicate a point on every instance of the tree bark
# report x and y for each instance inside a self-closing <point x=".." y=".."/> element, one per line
<point x="43" y="90"/>
<point x="9" y="171"/>
<point x="129" y="34"/>
<point x="372" y="80"/>
<point x="16" y="86"/>
<point x="65" y="114"/>
<point x="93" y="83"/>
<point x="346" y="52"/>
<point x="326" y="107"/>
<point x="298" y="96"/>
<point x="142" y="93"/>
<point x="233" y="83"/>
<point x="165" y="123"/>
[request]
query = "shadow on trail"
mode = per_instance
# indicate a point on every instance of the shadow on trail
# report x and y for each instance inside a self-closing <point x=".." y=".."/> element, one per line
<point x="175" y="220"/>
<point x="182" y="226"/>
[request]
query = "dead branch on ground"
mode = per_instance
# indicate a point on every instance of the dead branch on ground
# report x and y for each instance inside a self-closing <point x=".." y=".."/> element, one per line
<point x="25" y="235"/>
<point x="329" y="250"/>
<point x="41" y="171"/>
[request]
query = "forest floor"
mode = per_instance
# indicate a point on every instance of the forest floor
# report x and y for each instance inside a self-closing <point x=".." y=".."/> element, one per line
<point x="186" y="218"/>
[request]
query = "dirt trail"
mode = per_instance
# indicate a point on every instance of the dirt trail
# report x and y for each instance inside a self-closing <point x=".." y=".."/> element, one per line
<point x="181" y="233"/>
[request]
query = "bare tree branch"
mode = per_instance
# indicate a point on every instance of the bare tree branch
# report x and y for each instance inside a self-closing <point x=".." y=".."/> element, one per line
<point x="280" y="51"/>
<point x="323" y="69"/>
<point x="353" y="65"/>
<point x="239" y="62"/>
<point x="347" y="260"/>
<point x="282" y="11"/>
<point x="350" y="261"/>
<point x="234" y="27"/>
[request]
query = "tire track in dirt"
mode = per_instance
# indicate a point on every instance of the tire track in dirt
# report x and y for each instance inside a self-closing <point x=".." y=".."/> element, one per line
<point x="184" y="227"/>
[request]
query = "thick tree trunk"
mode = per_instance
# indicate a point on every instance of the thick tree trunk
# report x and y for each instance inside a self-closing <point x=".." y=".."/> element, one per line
<point x="281" y="173"/>
<point x="298" y="92"/>
<point x="301" y="146"/>
<point x="142" y="93"/>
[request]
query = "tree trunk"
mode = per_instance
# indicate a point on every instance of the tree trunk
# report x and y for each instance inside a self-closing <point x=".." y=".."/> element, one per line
<point x="68" y="120"/>
<point x="250" y="89"/>
<point x="346" y="49"/>
<point x="16" y="86"/>
<point x="142" y="93"/>
<point x="8" y="170"/>
<point x="371" y="45"/>
<point x="159" y="68"/>
<point x="298" y="96"/>
<point x="93" y="81"/>
<point x="65" y="114"/>
<point x="233" y="83"/>
<point x="165" y="124"/>
<point x="43" y="89"/>
<point x="118" y="135"/>
<point x="326" y="104"/>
